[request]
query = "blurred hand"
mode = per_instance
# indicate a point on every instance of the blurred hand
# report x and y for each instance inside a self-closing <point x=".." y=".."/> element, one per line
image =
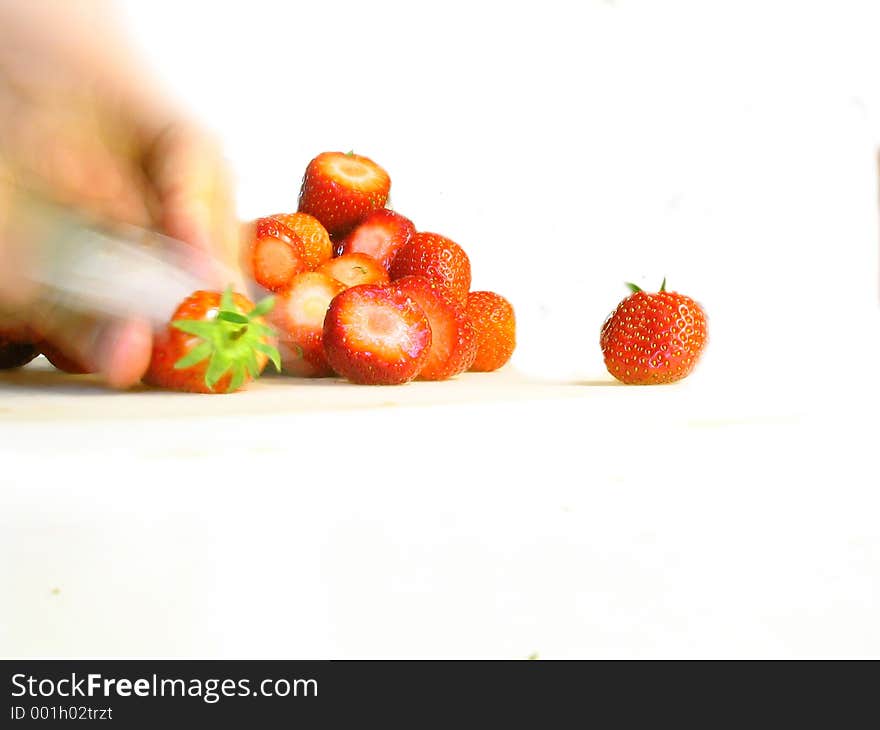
<point x="81" y="124"/>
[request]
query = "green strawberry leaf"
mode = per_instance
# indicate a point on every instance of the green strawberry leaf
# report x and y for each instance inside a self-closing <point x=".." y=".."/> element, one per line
<point x="194" y="356"/>
<point x="264" y="306"/>
<point x="202" y="329"/>
<point x="234" y="317"/>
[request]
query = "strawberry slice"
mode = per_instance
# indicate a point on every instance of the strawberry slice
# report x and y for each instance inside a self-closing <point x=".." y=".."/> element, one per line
<point x="454" y="342"/>
<point x="299" y="318"/>
<point x="315" y="239"/>
<point x="354" y="269"/>
<point x="276" y="255"/>
<point x="340" y="189"/>
<point x="376" y="335"/>
<point x="439" y="259"/>
<point x="380" y="235"/>
<point x="495" y="324"/>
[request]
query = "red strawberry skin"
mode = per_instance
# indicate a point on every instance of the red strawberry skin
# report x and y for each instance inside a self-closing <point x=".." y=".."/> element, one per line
<point x="380" y="235"/>
<point x="494" y="321"/>
<point x="454" y="341"/>
<point x="316" y="241"/>
<point x="376" y="335"/>
<point x="341" y="189"/>
<point x="170" y="344"/>
<point x="653" y="338"/>
<point x="438" y="258"/>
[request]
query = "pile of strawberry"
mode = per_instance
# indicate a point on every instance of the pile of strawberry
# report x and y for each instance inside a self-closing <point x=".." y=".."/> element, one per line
<point x="355" y="290"/>
<point x="361" y="293"/>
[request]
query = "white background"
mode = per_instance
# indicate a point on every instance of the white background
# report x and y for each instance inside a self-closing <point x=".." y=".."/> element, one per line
<point x="569" y="147"/>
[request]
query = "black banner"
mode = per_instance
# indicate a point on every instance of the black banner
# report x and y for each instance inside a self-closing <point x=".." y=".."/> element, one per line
<point x="148" y="693"/>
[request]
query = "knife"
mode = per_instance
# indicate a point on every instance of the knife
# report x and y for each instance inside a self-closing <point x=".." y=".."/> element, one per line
<point x="101" y="268"/>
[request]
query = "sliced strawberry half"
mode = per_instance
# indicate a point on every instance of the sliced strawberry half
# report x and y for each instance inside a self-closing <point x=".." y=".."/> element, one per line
<point x="299" y="318"/>
<point x="380" y="235"/>
<point x="340" y="189"/>
<point x="454" y="342"/>
<point x="354" y="269"/>
<point x="376" y="335"/>
<point x="315" y="239"/>
<point x="276" y="254"/>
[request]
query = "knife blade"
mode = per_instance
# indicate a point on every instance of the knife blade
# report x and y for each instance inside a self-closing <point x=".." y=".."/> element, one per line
<point x="111" y="269"/>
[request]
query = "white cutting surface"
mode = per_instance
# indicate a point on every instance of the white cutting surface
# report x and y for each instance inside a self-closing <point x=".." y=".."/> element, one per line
<point x="728" y="146"/>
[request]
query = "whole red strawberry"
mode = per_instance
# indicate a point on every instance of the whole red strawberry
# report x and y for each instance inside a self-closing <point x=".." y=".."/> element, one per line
<point x="653" y="338"/>
<point x="439" y="259"/>
<point x="341" y="189"/>
<point x="495" y="324"/>
<point x="214" y="343"/>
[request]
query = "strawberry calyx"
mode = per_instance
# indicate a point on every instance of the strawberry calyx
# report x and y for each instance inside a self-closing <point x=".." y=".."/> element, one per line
<point x="230" y="341"/>
<point x="635" y="288"/>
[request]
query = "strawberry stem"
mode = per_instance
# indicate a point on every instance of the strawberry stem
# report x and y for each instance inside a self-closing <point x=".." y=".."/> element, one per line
<point x="663" y="285"/>
<point x="633" y="287"/>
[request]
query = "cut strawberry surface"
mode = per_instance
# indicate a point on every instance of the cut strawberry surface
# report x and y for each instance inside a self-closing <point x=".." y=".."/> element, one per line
<point x="376" y="335"/>
<point x="354" y="269"/>
<point x="438" y="258"/>
<point x="277" y="254"/>
<point x="340" y="189"/>
<point x="299" y="318"/>
<point x="380" y="235"/>
<point x="315" y="239"/>
<point x="454" y="344"/>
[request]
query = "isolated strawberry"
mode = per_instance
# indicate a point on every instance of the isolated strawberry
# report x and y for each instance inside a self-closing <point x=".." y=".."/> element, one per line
<point x="215" y="343"/>
<point x="495" y="324"/>
<point x="340" y="189"/>
<point x="315" y="239"/>
<point x="275" y="255"/>
<point x="353" y="269"/>
<point x="298" y="316"/>
<point x="438" y="258"/>
<point x="653" y="338"/>
<point x="381" y="235"/>
<point x="376" y="335"/>
<point x="453" y="340"/>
